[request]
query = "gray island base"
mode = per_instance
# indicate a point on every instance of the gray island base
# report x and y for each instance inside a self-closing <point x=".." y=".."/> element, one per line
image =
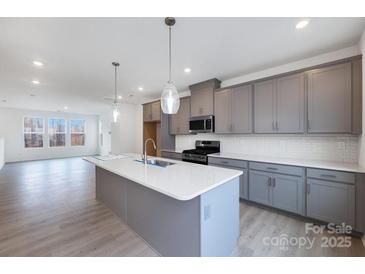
<point x="207" y="225"/>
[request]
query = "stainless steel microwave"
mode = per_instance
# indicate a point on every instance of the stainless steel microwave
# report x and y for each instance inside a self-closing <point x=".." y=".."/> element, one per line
<point x="201" y="124"/>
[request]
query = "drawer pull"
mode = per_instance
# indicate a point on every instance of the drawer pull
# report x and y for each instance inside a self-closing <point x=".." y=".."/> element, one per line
<point x="224" y="162"/>
<point x="328" y="176"/>
<point x="272" y="168"/>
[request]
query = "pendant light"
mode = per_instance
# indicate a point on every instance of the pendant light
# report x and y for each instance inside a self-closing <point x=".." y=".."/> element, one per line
<point x="115" y="103"/>
<point x="170" y="101"/>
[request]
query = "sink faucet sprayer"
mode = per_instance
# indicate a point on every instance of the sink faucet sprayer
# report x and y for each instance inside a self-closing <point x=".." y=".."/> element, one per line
<point x="145" y="149"/>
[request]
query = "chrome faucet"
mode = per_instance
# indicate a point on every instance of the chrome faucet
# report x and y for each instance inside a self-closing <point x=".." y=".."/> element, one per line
<point x="145" y="149"/>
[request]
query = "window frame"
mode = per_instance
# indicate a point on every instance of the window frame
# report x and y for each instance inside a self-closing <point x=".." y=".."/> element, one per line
<point x="41" y="133"/>
<point x="84" y="132"/>
<point x="48" y="133"/>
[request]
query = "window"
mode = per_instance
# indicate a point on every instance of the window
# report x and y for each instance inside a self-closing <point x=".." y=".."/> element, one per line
<point x="57" y="132"/>
<point x="33" y="129"/>
<point x="77" y="132"/>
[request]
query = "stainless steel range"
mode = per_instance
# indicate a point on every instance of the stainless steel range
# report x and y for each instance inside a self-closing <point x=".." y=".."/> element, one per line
<point x="199" y="155"/>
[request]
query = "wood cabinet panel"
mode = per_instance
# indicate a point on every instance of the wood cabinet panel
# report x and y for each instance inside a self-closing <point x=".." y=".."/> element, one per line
<point x="329" y="99"/>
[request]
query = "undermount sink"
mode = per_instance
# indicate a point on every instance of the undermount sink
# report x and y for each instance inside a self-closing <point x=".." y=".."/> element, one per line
<point x="156" y="162"/>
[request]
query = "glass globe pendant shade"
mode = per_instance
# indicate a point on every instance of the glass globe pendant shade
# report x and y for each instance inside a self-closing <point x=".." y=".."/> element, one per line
<point x="115" y="112"/>
<point x="170" y="100"/>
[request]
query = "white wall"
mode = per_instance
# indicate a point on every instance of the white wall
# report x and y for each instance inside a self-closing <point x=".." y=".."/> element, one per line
<point x="126" y="134"/>
<point x="362" y="138"/>
<point x="11" y="121"/>
<point x="2" y="152"/>
<point x="341" y="149"/>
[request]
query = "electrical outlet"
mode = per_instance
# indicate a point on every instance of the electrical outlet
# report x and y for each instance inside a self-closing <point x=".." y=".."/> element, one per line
<point x="341" y="145"/>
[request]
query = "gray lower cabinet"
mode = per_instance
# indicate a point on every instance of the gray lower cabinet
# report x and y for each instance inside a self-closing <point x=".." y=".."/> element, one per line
<point x="179" y="122"/>
<point x="329" y="99"/>
<point x="259" y="187"/>
<point x="287" y="193"/>
<point x="171" y="155"/>
<point x="329" y="201"/>
<point x="237" y="165"/>
<point x="277" y="190"/>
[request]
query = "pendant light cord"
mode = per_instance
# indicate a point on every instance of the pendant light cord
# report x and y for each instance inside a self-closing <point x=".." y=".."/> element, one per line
<point x="169" y="54"/>
<point x="115" y="85"/>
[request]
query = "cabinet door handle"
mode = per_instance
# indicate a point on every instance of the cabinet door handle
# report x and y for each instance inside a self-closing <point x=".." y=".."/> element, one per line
<point x="309" y="124"/>
<point x="273" y="182"/>
<point x="272" y="168"/>
<point x="224" y="162"/>
<point x="308" y="188"/>
<point x="269" y="181"/>
<point x="328" y="175"/>
<point x="277" y="125"/>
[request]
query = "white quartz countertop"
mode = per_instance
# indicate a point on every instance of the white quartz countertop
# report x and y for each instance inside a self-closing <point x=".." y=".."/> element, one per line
<point x="330" y="165"/>
<point x="182" y="181"/>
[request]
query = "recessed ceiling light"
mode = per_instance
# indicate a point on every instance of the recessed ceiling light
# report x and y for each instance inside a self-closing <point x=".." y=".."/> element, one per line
<point x="38" y="63"/>
<point x="140" y="88"/>
<point x="302" y="24"/>
<point x="36" y="82"/>
<point x="187" y="70"/>
<point x="120" y="97"/>
<point x="65" y="107"/>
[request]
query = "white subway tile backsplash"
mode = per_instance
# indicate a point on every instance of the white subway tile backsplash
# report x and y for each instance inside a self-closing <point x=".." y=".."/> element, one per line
<point x="333" y="148"/>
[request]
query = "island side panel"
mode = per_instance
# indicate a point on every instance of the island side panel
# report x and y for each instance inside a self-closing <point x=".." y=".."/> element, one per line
<point x="111" y="190"/>
<point x="220" y="219"/>
<point x="170" y="226"/>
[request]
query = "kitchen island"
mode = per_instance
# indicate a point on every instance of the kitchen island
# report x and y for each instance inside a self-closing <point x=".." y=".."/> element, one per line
<point x="182" y="209"/>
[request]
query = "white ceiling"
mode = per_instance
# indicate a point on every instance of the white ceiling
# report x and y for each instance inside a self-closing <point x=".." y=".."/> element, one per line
<point x="77" y="53"/>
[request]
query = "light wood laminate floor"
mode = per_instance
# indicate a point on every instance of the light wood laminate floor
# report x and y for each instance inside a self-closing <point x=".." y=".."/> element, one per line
<point x="48" y="208"/>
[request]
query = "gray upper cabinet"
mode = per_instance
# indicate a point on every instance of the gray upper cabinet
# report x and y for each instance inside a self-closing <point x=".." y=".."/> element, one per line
<point x="279" y="105"/>
<point x="329" y="99"/>
<point x="147" y="113"/>
<point x="331" y="201"/>
<point x="233" y="110"/>
<point x="179" y="122"/>
<point x="222" y="111"/>
<point x="290" y="104"/>
<point x="241" y="102"/>
<point x="152" y="112"/>
<point x="156" y="111"/>
<point x="264" y="102"/>
<point x="202" y="98"/>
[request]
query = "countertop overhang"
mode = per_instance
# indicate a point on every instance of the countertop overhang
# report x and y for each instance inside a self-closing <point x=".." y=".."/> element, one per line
<point x="181" y="181"/>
